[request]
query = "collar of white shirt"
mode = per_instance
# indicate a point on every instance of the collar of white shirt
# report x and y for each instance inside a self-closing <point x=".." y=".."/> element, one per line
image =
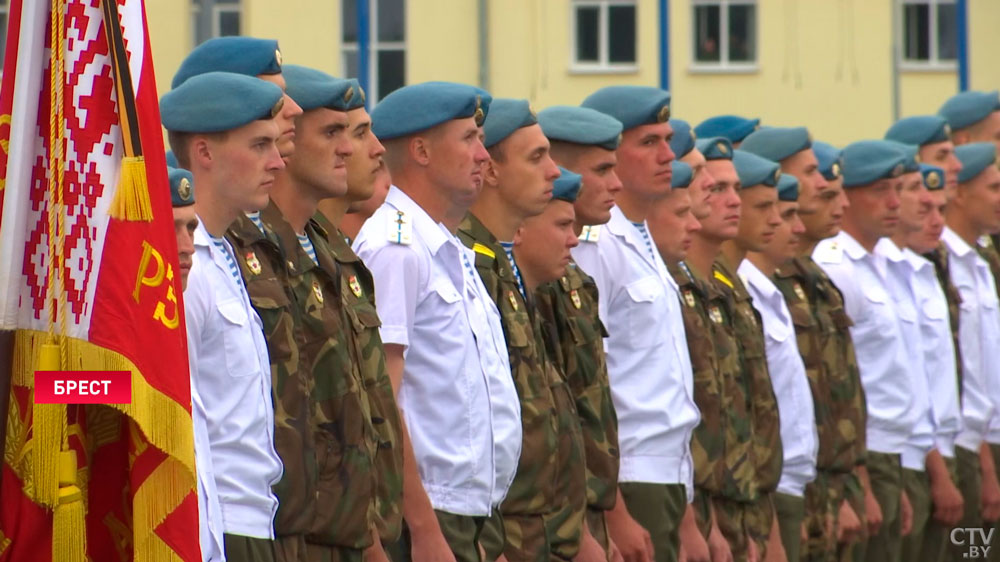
<point x="764" y="286"/>
<point x="202" y="239"/>
<point x="426" y="228"/>
<point x="852" y="247"/>
<point x="917" y="262"/>
<point x="955" y="243"/>
<point x="889" y="250"/>
<point x="620" y="226"/>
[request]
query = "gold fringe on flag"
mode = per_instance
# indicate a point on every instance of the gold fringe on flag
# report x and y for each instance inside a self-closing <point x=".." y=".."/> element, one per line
<point x="131" y="201"/>
<point x="69" y="525"/>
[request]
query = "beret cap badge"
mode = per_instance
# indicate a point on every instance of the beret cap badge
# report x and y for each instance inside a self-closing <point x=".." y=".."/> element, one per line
<point x="277" y="56"/>
<point x="721" y="147"/>
<point x="933" y="180"/>
<point x="348" y="94"/>
<point x="480" y="116"/>
<point x="835" y="169"/>
<point x="663" y="115"/>
<point x="276" y="109"/>
<point x="184" y="189"/>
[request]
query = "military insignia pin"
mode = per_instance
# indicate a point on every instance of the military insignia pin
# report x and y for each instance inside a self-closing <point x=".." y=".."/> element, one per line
<point x="663" y="115"/>
<point x="689" y="298"/>
<point x="564" y="282"/>
<point x="575" y="297"/>
<point x="253" y="263"/>
<point x="798" y="291"/>
<point x="352" y="281"/>
<point x="715" y="315"/>
<point x="512" y="299"/>
<point x="184" y="189"/>
<point x="277" y="56"/>
<point x="318" y="291"/>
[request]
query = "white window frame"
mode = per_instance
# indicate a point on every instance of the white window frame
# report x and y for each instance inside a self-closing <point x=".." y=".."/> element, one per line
<point x="5" y="10"/>
<point x="374" y="46"/>
<point x="603" y="65"/>
<point x="933" y="62"/>
<point x="217" y="10"/>
<point x="724" y="66"/>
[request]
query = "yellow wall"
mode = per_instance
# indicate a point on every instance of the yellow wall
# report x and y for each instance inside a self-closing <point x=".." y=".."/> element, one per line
<point x="442" y="40"/>
<point x="530" y="48"/>
<point x="821" y="63"/>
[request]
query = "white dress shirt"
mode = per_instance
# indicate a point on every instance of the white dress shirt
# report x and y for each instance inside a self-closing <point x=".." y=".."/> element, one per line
<point x="210" y="526"/>
<point x="899" y="281"/>
<point x="939" y="353"/>
<point x="978" y="338"/>
<point x="457" y="396"/>
<point x="878" y="339"/>
<point x="799" y="440"/>
<point x="647" y="354"/>
<point x="232" y="376"/>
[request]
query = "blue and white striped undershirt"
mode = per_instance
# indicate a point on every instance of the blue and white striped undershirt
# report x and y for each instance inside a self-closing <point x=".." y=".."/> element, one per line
<point x="508" y="248"/>
<point x="641" y="226"/>
<point x="221" y="245"/>
<point x="307" y="245"/>
<point x="255" y="218"/>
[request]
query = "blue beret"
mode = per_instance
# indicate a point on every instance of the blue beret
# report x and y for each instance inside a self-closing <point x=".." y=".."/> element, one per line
<point x="239" y="55"/>
<point x="933" y="177"/>
<point x="312" y="89"/>
<point x="715" y="148"/>
<point x="682" y="174"/>
<point x="683" y="140"/>
<point x="754" y="170"/>
<point x="777" y="143"/>
<point x="567" y="186"/>
<point x="920" y="130"/>
<point x="733" y="127"/>
<point x="219" y="101"/>
<point x="868" y="161"/>
<point x="416" y="108"/>
<point x="172" y="159"/>
<point x="580" y="125"/>
<point x="911" y="162"/>
<point x="632" y="105"/>
<point x="506" y="116"/>
<point x="975" y="158"/>
<point x="831" y="165"/>
<point x="181" y="186"/>
<point x="969" y="108"/>
<point x="788" y="188"/>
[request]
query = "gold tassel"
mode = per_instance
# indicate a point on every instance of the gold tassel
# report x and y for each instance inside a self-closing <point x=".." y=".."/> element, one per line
<point x="48" y="426"/>
<point x="69" y="528"/>
<point x="131" y="202"/>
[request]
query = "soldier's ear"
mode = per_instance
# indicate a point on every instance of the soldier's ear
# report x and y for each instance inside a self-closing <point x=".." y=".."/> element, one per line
<point x="420" y="150"/>
<point x="491" y="175"/>
<point x="519" y="236"/>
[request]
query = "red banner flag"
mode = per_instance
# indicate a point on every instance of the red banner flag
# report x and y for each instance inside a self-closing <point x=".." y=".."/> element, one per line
<point x="89" y="281"/>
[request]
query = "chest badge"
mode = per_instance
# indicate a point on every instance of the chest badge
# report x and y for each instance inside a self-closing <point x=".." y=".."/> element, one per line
<point x="352" y="282"/>
<point x="798" y="291"/>
<point x="715" y="314"/>
<point x="575" y="297"/>
<point x="564" y="282"/>
<point x="513" y="300"/>
<point x="253" y="263"/>
<point x="318" y="291"/>
<point x="689" y="298"/>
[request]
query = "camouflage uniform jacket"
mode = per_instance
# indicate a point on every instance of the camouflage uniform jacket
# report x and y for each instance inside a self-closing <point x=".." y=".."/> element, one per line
<point x="262" y="264"/>
<point x="721" y="445"/>
<point x="822" y="328"/>
<point x="749" y="332"/>
<point x="939" y="257"/>
<point x="575" y="334"/>
<point x="357" y="291"/>
<point x="339" y="409"/>
<point x="550" y="474"/>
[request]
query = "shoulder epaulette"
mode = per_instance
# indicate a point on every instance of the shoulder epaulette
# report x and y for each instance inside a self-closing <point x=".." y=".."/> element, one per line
<point x="590" y="233"/>
<point x="399" y="229"/>
<point x="481" y="249"/>
<point x="721" y="277"/>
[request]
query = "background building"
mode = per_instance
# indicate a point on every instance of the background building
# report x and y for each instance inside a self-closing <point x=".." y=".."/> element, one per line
<point x="846" y="68"/>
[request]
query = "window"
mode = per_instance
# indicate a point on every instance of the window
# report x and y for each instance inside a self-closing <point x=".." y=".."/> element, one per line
<point x="604" y="35"/>
<point x="929" y="29"/>
<point x="214" y="18"/>
<point x="386" y="36"/>
<point x="725" y="34"/>
<point x="3" y="31"/>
